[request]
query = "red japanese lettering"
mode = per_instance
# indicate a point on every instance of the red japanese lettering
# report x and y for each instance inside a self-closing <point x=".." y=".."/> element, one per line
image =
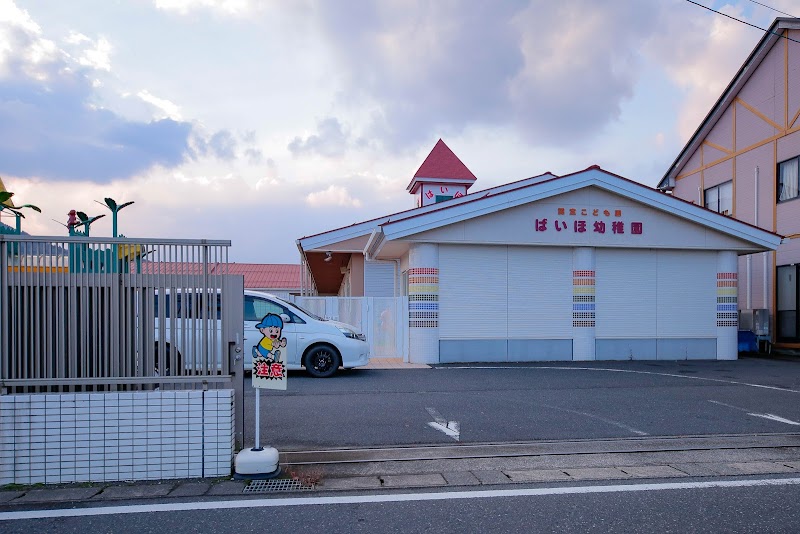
<point x="618" y="227"/>
<point x="636" y="228"/>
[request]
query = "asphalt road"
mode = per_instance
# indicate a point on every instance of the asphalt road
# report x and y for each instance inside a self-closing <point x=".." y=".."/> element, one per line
<point x="550" y="401"/>
<point x="630" y="508"/>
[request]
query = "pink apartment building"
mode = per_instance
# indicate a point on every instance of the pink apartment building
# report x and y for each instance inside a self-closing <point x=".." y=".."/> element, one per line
<point x="743" y="161"/>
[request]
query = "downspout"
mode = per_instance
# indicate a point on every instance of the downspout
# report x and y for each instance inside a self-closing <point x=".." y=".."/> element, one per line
<point x="763" y="254"/>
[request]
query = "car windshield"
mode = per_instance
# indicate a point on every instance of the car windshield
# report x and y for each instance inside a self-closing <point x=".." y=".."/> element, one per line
<point x="297" y="307"/>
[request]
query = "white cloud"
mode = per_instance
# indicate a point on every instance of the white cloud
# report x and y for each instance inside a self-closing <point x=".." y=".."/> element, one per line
<point x="229" y="7"/>
<point x="98" y="57"/>
<point x="168" y="109"/>
<point x="334" y="195"/>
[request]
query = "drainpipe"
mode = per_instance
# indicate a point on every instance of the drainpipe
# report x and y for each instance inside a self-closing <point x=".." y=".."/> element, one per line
<point x="763" y="254"/>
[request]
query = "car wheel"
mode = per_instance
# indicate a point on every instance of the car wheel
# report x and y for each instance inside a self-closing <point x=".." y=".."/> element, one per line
<point x="166" y="369"/>
<point x="322" y="361"/>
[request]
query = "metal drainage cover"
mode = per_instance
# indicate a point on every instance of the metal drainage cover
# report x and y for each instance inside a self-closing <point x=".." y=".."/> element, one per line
<point x="282" y="484"/>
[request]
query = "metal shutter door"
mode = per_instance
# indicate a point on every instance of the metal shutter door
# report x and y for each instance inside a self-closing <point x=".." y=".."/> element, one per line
<point x="687" y="294"/>
<point x="539" y="292"/>
<point x="625" y="291"/>
<point x="473" y="292"/>
<point x="378" y="279"/>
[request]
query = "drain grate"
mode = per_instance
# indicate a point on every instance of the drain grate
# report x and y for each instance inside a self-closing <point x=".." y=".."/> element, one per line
<point x="279" y="484"/>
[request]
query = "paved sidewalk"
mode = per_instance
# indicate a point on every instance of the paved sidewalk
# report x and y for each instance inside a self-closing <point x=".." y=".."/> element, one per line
<point x="479" y="465"/>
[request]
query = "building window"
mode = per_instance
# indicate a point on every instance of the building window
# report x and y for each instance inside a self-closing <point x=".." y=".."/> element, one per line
<point x="787" y="321"/>
<point x="720" y="198"/>
<point x="787" y="179"/>
<point x="442" y="198"/>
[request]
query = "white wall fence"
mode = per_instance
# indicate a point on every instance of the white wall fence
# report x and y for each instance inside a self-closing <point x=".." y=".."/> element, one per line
<point x="384" y="320"/>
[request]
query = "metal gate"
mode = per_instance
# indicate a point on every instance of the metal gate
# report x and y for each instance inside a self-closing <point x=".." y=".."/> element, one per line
<point x="82" y="314"/>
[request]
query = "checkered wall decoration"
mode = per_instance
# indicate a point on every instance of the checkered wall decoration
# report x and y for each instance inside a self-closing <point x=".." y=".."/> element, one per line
<point x="727" y="299"/>
<point x="423" y="297"/>
<point x="583" y="295"/>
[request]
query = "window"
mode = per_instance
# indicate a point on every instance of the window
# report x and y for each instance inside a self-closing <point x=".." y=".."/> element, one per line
<point x="442" y="198"/>
<point x="255" y="309"/>
<point x="720" y="198"/>
<point x="787" y="179"/>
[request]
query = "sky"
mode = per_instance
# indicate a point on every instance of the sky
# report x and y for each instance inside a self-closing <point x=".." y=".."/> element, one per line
<point x="264" y="121"/>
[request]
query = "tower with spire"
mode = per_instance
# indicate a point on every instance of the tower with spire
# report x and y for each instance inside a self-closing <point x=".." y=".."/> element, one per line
<point x="441" y="176"/>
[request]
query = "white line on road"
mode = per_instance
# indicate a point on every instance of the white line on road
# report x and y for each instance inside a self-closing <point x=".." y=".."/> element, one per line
<point x="389" y="498"/>
<point x="603" y="419"/>
<point x="775" y="418"/>
<point x="769" y="416"/>
<point x="450" y="428"/>
<point x="776" y="388"/>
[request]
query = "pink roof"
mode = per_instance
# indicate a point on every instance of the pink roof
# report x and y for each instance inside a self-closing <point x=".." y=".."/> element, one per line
<point x="256" y="275"/>
<point x="443" y="163"/>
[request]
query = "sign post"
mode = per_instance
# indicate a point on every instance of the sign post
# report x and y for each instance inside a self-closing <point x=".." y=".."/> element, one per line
<point x="269" y="372"/>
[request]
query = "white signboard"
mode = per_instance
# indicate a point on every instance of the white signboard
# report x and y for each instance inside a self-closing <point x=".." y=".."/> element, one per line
<point x="269" y="360"/>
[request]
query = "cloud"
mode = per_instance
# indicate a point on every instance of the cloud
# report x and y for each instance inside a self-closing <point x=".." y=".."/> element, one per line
<point x="558" y="72"/>
<point x="97" y="56"/>
<point x="334" y="195"/>
<point x="167" y="108"/>
<point x="51" y="123"/>
<point x="183" y="7"/>
<point x="330" y="142"/>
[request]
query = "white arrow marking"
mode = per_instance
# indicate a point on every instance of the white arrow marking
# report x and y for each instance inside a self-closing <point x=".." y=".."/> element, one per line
<point x="450" y="428"/>
<point x="775" y="418"/>
<point x="769" y="416"/>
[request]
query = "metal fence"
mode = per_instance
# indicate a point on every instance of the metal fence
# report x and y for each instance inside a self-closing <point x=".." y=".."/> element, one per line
<point x="110" y="314"/>
<point x="384" y="320"/>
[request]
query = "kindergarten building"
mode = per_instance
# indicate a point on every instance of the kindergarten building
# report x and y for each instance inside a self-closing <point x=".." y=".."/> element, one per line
<point x="586" y="266"/>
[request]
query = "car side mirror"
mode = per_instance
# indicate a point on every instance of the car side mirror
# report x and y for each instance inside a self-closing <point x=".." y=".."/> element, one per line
<point x="286" y="318"/>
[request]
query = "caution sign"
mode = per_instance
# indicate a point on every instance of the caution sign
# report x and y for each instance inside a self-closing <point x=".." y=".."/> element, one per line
<point x="269" y="362"/>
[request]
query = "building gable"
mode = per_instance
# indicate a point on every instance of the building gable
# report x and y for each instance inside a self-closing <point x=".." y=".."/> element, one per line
<point x="590" y="217"/>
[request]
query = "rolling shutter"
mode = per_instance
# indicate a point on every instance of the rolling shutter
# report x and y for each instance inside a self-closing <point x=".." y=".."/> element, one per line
<point x="626" y="292"/>
<point x="473" y="295"/>
<point x="379" y="279"/>
<point x="539" y="292"/>
<point x="687" y="294"/>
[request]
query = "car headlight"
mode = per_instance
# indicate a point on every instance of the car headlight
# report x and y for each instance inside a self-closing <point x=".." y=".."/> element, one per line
<point x="346" y="332"/>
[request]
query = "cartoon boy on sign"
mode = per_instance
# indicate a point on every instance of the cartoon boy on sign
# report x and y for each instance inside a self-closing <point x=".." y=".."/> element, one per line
<point x="267" y="362"/>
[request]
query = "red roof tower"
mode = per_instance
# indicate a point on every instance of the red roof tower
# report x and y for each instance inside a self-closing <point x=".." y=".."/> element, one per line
<point x="441" y="176"/>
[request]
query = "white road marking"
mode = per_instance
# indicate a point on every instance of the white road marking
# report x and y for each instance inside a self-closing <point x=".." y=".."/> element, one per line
<point x="769" y="416"/>
<point x="603" y="419"/>
<point x="775" y="418"/>
<point x="388" y="498"/>
<point x="450" y="428"/>
<point x="776" y="388"/>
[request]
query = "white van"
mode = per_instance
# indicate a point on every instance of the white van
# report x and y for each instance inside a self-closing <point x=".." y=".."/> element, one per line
<point x="319" y="345"/>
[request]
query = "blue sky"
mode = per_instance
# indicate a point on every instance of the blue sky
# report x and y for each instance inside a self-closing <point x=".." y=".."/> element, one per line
<point x="265" y="121"/>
